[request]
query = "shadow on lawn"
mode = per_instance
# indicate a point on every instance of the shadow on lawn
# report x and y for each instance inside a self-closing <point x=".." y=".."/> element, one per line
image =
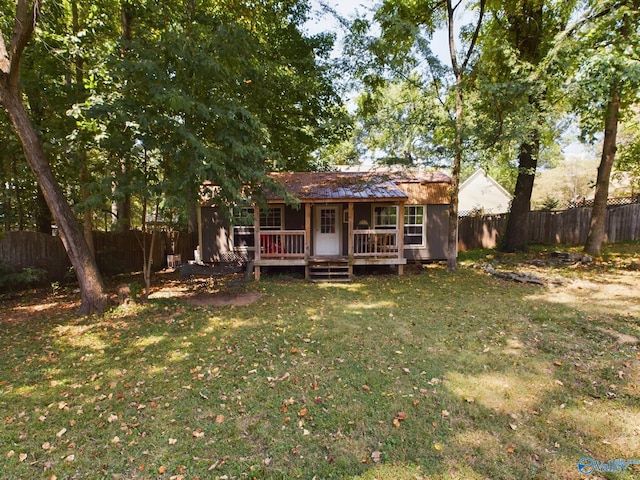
<point x="436" y="375"/>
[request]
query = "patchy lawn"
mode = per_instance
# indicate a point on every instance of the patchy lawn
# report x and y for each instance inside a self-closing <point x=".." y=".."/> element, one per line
<point x="432" y="375"/>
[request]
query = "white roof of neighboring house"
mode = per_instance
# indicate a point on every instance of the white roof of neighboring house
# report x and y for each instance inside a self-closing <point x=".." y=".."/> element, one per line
<point x="480" y="192"/>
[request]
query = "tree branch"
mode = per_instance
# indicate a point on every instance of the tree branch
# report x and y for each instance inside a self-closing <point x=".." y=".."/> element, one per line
<point x="476" y="33"/>
<point x="25" y="21"/>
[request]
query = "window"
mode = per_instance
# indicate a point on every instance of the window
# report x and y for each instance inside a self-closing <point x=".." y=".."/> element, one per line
<point x="414" y="226"/>
<point x="243" y="233"/>
<point x="271" y="218"/>
<point x="328" y="220"/>
<point x="385" y="216"/>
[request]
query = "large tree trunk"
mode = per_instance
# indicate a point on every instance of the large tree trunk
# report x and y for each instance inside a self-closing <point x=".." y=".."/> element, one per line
<point x="527" y="32"/>
<point x="43" y="214"/>
<point x="596" y="234"/>
<point x="123" y="205"/>
<point x="452" y="230"/>
<point x="92" y="290"/>
<point x="517" y="232"/>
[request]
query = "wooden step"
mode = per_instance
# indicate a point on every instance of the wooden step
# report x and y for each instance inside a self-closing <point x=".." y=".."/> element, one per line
<point x="334" y="271"/>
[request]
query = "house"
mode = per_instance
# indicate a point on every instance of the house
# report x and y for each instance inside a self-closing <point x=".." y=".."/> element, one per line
<point x="342" y="220"/>
<point x="480" y="193"/>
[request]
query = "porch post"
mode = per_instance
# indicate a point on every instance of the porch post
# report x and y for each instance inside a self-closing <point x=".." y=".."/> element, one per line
<point x="350" y="230"/>
<point x="401" y="237"/>
<point x="350" y="238"/>
<point x="256" y="241"/>
<point x="307" y="239"/>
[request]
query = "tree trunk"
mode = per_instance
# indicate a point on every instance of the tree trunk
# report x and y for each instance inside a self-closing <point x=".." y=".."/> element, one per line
<point x="527" y="34"/>
<point x="596" y="234"/>
<point x="92" y="290"/>
<point x="123" y="205"/>
<point x="452" y="231"/>
<point x="43" y="214"/>
<point x="517" y="232"/>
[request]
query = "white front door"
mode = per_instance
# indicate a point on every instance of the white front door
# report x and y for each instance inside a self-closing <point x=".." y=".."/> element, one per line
<point x="326" y="229"/>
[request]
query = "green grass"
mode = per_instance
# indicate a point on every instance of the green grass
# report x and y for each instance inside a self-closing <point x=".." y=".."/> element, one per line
<point x="432" y="375"/>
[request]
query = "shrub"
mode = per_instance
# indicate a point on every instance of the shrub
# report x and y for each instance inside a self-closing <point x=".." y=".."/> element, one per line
<point x="10" y="279"/>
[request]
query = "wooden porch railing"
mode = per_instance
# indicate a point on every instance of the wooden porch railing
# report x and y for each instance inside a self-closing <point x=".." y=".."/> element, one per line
<point x="375" y="243"/>
<point x="282" y="243"/>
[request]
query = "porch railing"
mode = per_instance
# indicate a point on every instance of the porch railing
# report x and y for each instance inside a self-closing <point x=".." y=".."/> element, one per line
<point x="375" y="243"/>
<point x="282" y="244"/>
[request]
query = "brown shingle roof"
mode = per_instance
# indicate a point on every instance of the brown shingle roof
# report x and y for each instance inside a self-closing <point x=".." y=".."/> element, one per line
<point x="338" y="186"/>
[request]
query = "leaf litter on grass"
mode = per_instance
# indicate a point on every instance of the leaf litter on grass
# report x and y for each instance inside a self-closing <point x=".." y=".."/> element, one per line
<point x="339" y="388"/>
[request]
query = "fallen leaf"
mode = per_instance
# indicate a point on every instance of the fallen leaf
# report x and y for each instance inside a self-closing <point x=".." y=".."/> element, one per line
<point x="70" y="458"/>
<point x="401" y="416"/>
<point x="375" y="456"/>
<point x="437" y="446"/>
<point x="302" y="412"/>
<point x="470" y="400"/>
<point x="219" y="418"/>
<point x="396" y="423"/>
<point x="198" y="433"/>
<point x="172" y="441"/>
<point x="445" y="413"/>
<point x="513" y="426"/>
<point x="22" y="457"/>
<point x="115" y="439"/>
<point x="61" y="432"/>
<point x="46" y="446"/>
<point x="511" y="449"/>
<point x="366" y="388"/>
<point x="162" y="469"/>
<point x="416" y="402"/>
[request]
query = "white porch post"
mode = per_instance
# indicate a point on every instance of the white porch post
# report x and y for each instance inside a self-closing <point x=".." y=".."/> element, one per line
<point x="307" y="239"/>
<point x="401" y="237"/>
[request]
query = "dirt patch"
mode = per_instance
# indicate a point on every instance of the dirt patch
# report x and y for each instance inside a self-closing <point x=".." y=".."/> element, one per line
<point x="223" y="299"/>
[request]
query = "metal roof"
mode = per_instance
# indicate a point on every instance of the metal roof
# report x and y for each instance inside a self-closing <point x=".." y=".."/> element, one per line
<point x="325" y="186"/>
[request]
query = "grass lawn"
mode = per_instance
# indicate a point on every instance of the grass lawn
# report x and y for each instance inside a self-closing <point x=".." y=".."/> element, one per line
<point x="432" y="375"/>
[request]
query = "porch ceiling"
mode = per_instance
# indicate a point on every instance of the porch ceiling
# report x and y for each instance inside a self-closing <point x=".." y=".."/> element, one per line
<point x="329" y="186"/>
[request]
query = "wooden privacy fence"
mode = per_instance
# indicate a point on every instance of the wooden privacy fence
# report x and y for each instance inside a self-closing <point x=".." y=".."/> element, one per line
<point x="115" y="252"/>
<point x="569" y="227"/>
<point x="38" y="250"/>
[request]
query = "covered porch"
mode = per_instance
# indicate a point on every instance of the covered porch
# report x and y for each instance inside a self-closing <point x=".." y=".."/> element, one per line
<point x="331" y="241"/>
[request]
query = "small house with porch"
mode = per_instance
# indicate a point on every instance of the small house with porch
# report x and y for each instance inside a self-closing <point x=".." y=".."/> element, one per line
<point x="341" y="220"/>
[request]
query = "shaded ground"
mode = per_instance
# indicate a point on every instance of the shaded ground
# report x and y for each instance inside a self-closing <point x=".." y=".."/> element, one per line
<point x="431" y="376"/>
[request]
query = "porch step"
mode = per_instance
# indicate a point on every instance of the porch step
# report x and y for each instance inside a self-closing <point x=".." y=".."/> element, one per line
<point x="329" y="271"/>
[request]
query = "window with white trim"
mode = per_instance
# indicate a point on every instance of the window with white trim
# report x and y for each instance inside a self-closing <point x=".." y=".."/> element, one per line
<point x="271" y="218"/>
<point x="414" y="226"/>
<point x="385" y="216"/>
<point x="243" y="230"/>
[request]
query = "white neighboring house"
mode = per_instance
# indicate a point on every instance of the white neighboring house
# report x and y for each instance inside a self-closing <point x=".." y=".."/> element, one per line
<point x="481" y="194"/>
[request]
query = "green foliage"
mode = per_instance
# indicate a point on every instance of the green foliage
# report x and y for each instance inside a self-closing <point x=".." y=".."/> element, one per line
<point x="11" y="280"/>
<point x="628" y="162"/>
<point x="205" y="91"/>
<point x="514" y="90"/>
<point x="604" y="46"/>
